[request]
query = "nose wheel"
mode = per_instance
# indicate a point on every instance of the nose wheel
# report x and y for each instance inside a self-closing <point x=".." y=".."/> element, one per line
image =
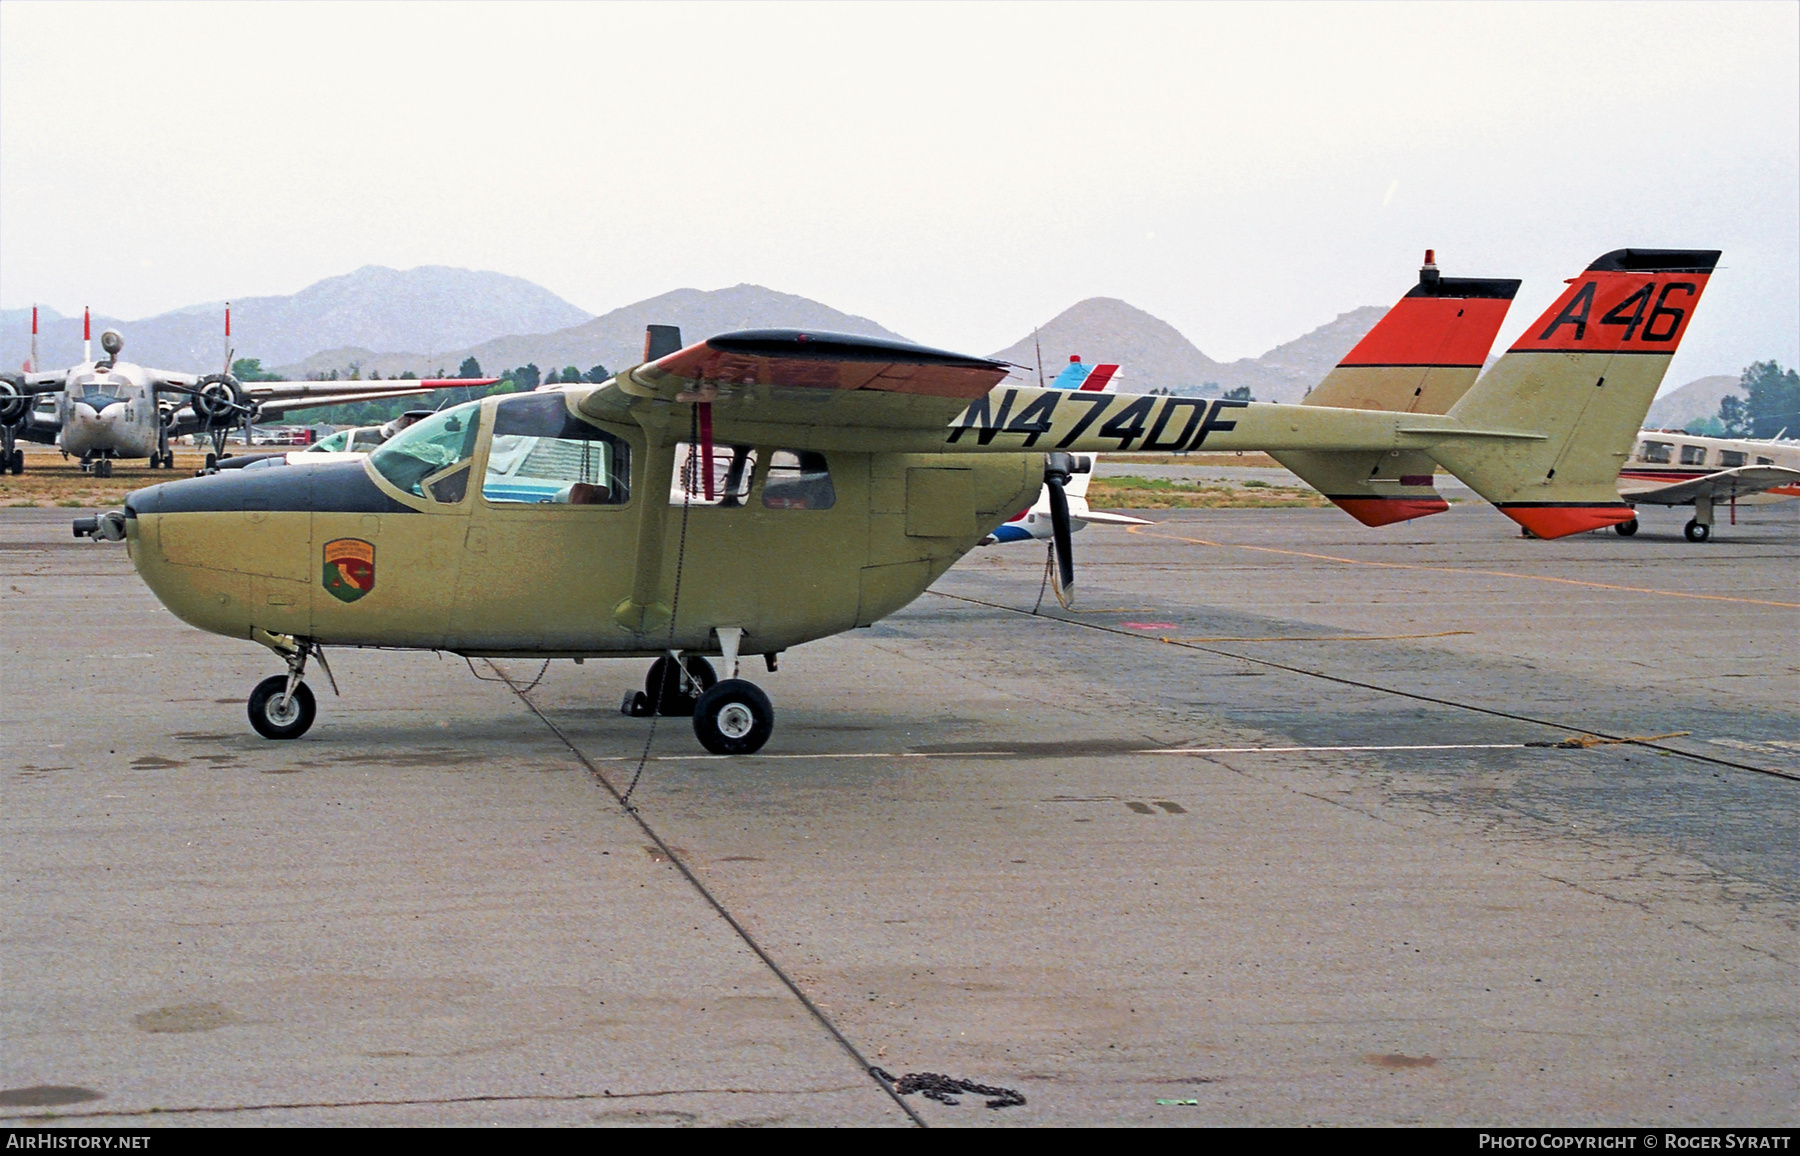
<point x="280" y="713"/>
<point x="734" y="718"/>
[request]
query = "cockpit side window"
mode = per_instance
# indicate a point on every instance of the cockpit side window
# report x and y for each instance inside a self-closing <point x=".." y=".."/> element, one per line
<point x="1659" y="452"/>
<point x="729" y="485"/>
<point x="422" y="459"/>
<point x="336" y="443"/>
<point x="544" y="455"/>
<point x="798" y="480"/>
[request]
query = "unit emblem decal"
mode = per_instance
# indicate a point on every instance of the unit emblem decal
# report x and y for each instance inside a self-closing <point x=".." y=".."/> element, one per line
<point x="349" y="568"/>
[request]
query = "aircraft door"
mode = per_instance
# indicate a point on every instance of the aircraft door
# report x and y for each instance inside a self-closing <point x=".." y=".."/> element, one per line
<point x="548" y="547"/>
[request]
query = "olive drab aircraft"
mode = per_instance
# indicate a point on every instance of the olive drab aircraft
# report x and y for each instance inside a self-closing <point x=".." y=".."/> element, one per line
<point x="107" y="409"/>
<point x="1679" y="469"/>
<point x="759" y="490"/>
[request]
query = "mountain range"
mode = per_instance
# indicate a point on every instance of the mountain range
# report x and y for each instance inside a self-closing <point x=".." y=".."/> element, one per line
<point x="431" y="307"/>
<point x="614" y="339"/>
<point x="364" y="322"/>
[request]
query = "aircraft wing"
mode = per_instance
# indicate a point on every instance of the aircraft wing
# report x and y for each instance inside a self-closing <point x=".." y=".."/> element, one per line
<point x="277" y="407"/>
<point x="1105" y="519"/>
<point x="1720" y="486"/>
<point x="291" y="392"/>
<point x="832" y="390"/>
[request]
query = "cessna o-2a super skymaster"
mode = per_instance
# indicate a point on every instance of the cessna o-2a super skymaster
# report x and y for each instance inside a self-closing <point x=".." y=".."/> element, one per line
<point x="763" y="489"/>
<point x="109" y="409"/>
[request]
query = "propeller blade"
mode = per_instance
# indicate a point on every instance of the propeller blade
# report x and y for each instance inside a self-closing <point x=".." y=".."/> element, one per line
<point x="1059" y="533"/>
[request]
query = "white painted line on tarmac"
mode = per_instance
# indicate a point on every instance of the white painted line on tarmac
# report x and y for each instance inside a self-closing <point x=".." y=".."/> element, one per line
<point x="1145" y="751"/>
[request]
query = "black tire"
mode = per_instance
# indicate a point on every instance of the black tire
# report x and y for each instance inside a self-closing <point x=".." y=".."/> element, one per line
<point x="734" y="718"/>
<point x="212" y="461"/>
<point x="270" y="721"/>
<point x="1695" y="531"/>
<point x="662" y="686"/>
<point x="103" y="468"/>
<point x="1626" y="529"/>
<point x="18" y="461"/>
<point x="1525" y="532"/>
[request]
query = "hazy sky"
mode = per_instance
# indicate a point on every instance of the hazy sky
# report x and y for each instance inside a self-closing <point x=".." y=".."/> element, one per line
<point x="958" y="173"/>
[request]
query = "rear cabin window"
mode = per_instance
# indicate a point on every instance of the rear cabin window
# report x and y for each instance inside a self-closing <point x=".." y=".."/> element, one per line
<point x="1661" y="452"/>
<point x="1731" y="459"/>
<point x="1762" y="461"/>
<point x="728" y="483"/>
<point x="1693" y="455"/>
<point x="543" y="455"/>
<point x="798" y="480"/>
<point x="431" y="459"/>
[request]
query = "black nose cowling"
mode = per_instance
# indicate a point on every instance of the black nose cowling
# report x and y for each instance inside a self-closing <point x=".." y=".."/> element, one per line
<point x="331" y="487"/>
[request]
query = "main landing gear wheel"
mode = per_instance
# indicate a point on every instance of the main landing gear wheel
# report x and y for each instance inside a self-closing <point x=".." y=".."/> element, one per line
<point x="103" y="468"/>
<point x="1696" y="530"/>
<point x="1626" y="529"/>
<point x="665" y="692"/>
<point x="734" y="718"/>
<point x="277" y="715"/>
<point x="18" y="462"/>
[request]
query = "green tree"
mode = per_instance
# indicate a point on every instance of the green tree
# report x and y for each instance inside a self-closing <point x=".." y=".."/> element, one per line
<point x="525" y="378"/>
<point x="1239" y="393"/>
<point x="570" y="375"/>
<point x="470" y="368"/>
<point x="250" y="369"/>
<point x="1734" y="417"/>
<point x="598" y="374"/>
<point x="1772" y="399"/>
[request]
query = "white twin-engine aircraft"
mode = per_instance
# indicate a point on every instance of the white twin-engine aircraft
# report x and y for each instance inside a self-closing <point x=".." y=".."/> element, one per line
<point x="107" y="409"/>
<point x="1677" y="469"/>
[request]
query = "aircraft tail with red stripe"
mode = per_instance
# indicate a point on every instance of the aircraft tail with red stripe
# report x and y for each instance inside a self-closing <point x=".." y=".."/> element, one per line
<point x="1582" y="377"/>
<point x="1421" y="357"/>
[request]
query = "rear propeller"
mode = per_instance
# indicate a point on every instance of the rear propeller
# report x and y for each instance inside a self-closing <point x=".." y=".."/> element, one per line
<point x="1059" y="467"/>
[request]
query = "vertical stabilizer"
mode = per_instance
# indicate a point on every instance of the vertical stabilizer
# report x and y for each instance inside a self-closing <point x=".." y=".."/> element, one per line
<point x="1583" y="375"/>
<point x="1421" y="357"/>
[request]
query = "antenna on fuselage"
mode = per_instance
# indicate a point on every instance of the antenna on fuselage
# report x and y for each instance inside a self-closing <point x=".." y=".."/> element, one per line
<point x="1038" y="346"/>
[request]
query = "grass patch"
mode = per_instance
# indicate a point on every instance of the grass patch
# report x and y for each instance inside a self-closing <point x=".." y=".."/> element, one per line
<point x="1135" y="493"/>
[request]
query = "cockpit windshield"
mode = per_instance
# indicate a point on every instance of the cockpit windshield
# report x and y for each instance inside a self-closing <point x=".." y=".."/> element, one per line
<point x="99" y="394"/>
<point x="430" y="447"/>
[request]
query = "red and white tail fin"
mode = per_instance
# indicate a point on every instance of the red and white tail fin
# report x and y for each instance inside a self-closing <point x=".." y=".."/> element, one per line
<point x="1583" y="375"/>
<point x="87" y="336"/>
<point x="1421" y="357"/>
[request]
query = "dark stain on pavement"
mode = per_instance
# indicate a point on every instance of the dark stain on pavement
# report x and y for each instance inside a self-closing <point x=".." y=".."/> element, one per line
<point x="155" y="763"/>
<point x="46" y="1096"/>
<point x="187" y="1017"/>
<point x="1396" y="1061"/>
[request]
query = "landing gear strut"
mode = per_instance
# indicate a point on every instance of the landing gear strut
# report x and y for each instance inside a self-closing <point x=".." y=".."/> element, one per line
<point x="281" y="706"/>
<point x="671" y="691"/>
<point x="1699" y="527"/>
<point x="731" y="717"/>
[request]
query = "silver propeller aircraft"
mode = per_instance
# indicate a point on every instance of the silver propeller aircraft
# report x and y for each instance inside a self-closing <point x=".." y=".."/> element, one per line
<point x="107" y="409"/>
